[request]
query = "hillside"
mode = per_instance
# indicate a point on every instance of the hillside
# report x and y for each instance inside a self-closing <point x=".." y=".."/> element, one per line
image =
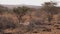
<point x="13" y="6"/>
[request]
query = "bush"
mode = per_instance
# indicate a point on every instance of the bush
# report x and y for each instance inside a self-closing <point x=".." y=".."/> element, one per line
<point x="6" y="23"/>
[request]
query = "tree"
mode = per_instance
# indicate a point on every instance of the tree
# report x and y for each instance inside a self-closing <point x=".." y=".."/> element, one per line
<point x="3" y="9"/>
<point x="50" y="8"/>
<point x="20" y="11"/>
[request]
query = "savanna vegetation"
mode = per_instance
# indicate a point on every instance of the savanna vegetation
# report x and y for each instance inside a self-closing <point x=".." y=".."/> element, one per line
<point x="26" y="20"/>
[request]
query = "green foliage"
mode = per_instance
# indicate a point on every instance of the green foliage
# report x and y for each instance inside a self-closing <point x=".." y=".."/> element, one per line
<point x="50" y="7"/>
<point x="3" y="9"/>
<point x="20" y="11"/>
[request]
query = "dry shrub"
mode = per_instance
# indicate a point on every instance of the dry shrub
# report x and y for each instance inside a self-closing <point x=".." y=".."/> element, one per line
<point x="8" y="21"/>
<point x="6" y="24"/>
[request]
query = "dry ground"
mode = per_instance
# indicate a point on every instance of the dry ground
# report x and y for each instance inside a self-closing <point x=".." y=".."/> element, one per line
<point x="16" y="28"/>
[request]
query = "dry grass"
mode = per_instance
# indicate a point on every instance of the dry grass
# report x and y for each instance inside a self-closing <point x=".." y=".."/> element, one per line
<point x="35" y="27"/>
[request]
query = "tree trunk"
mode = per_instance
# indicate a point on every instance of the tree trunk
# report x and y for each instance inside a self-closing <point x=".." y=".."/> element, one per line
<point x="50" y="17"/>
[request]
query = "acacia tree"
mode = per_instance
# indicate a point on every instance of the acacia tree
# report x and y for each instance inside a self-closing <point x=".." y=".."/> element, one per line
<point x="51" y="9"/>
<point x="20" y="11"/>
